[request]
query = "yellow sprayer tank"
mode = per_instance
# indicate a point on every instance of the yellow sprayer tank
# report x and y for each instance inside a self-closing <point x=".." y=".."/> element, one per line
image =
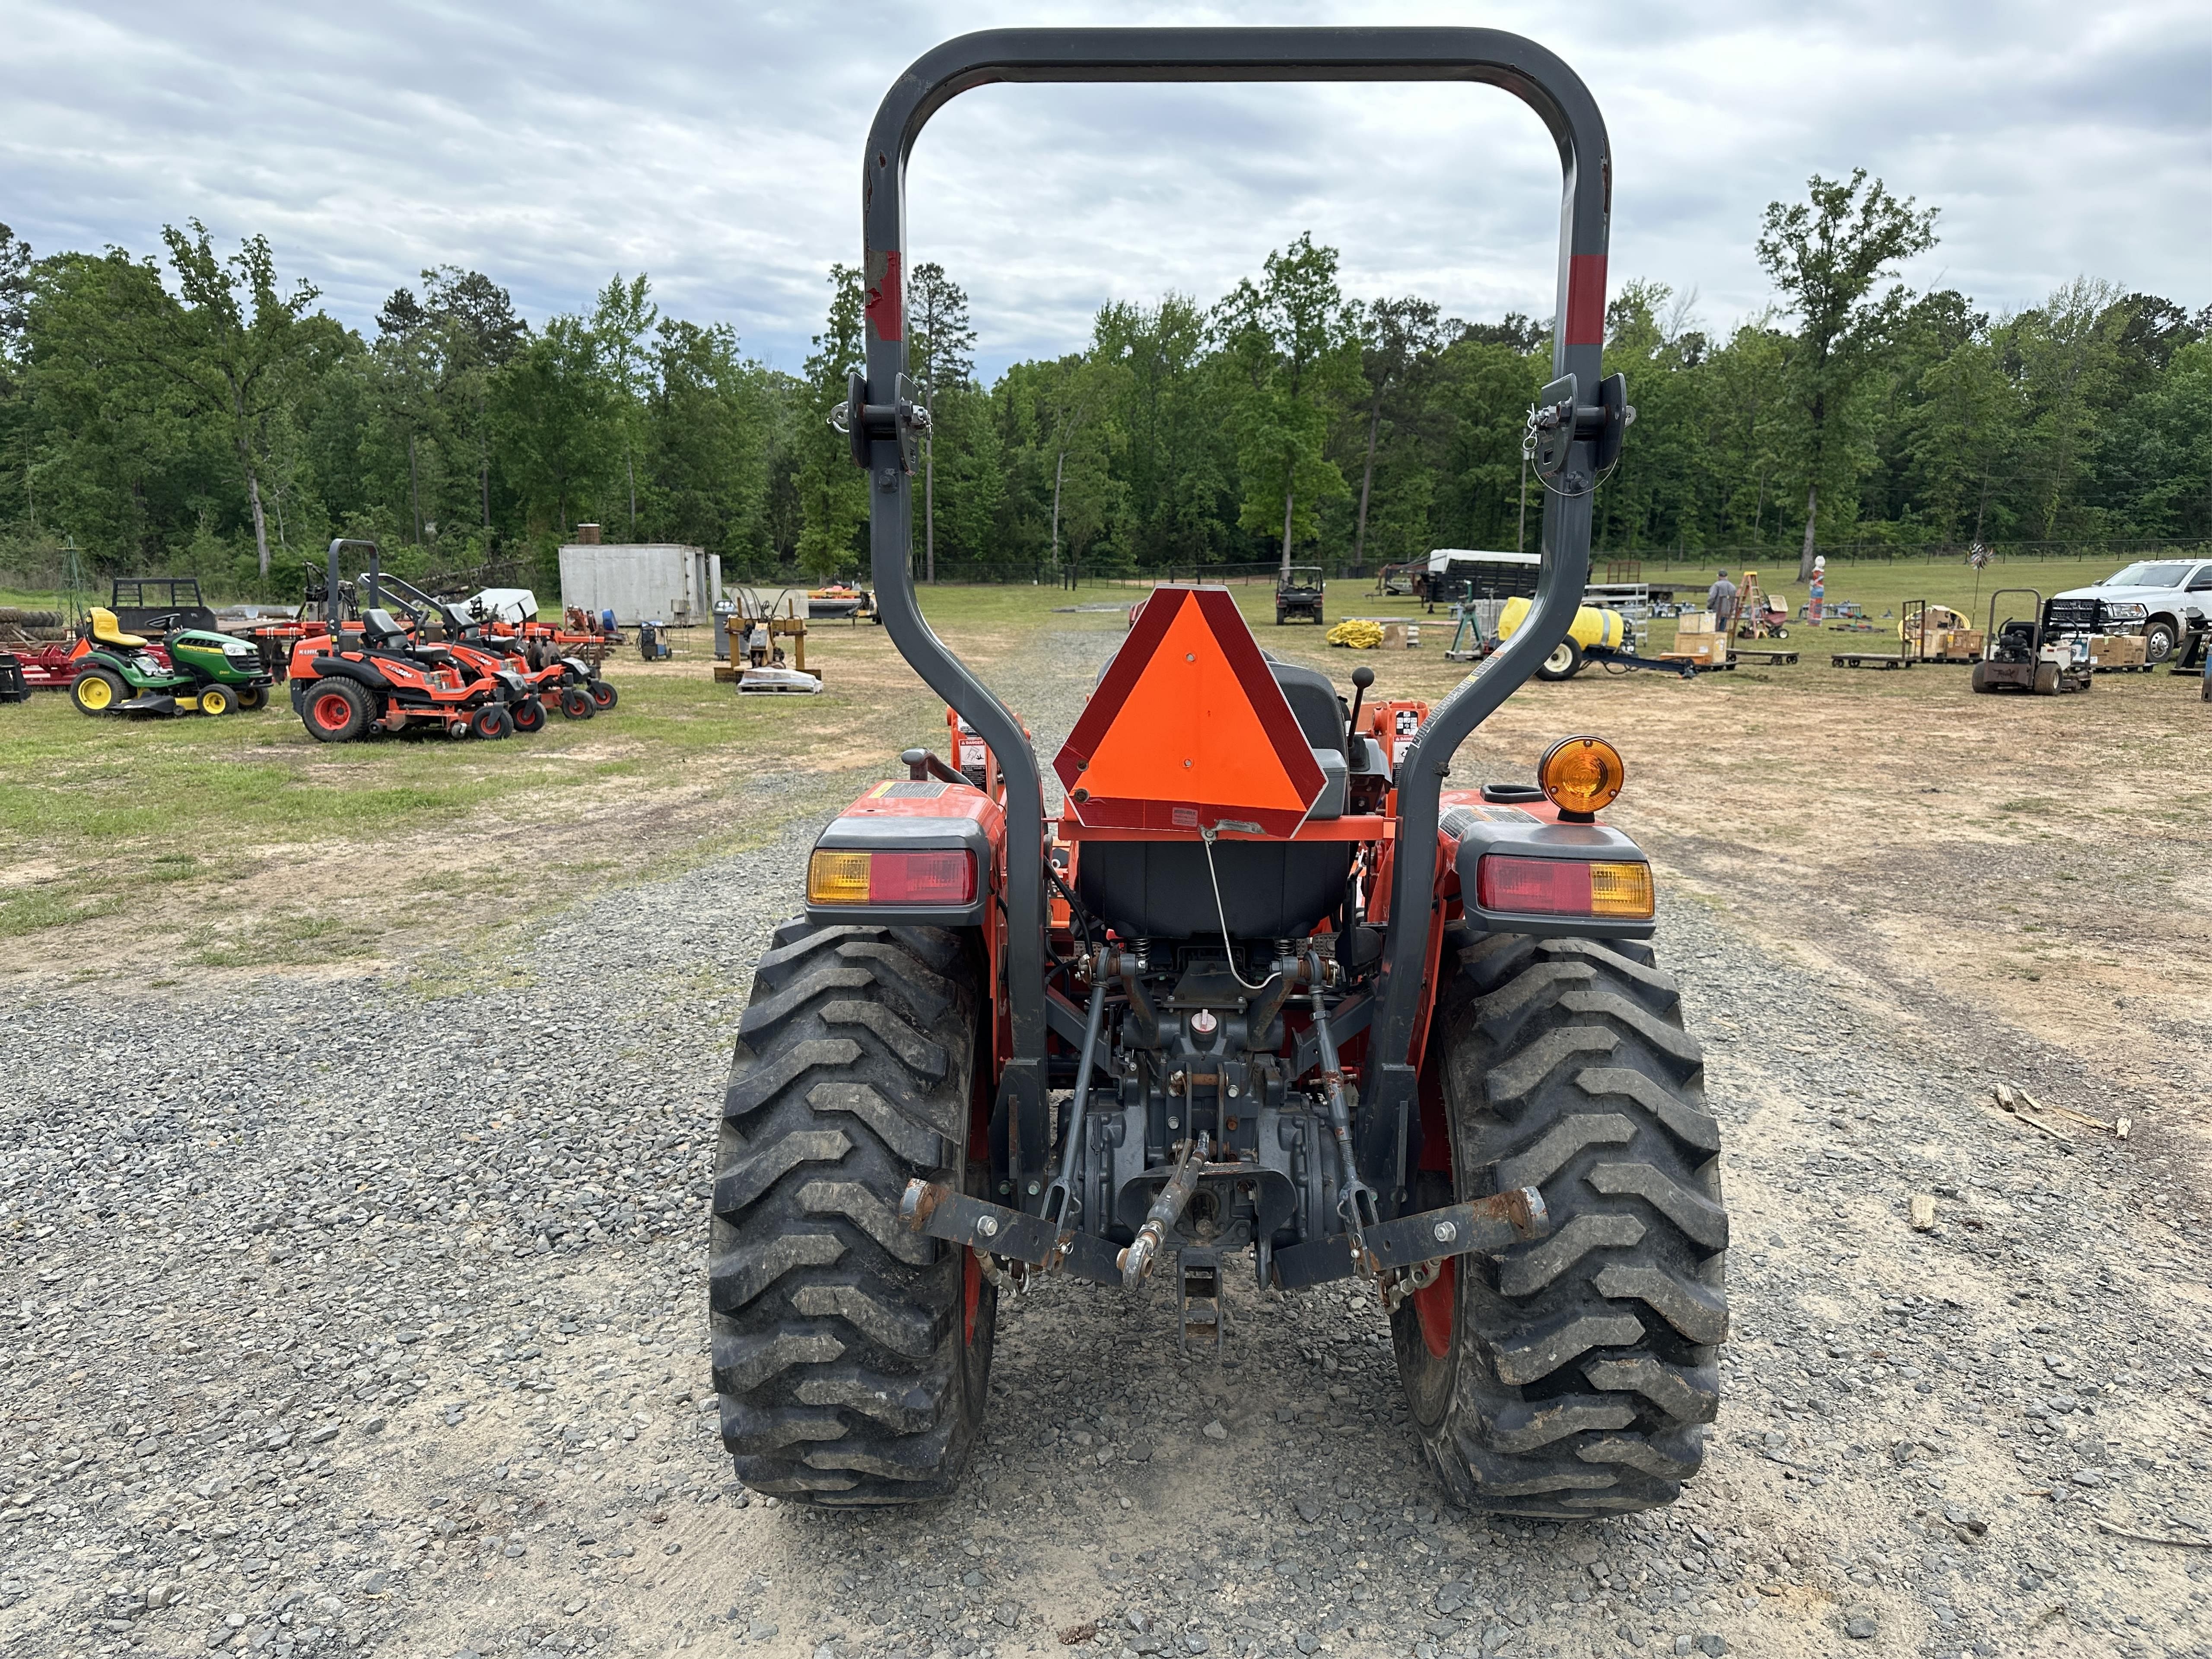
<point x="1592" y="627"/>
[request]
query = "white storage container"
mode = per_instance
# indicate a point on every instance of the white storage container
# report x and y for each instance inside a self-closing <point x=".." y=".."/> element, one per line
<point x="653" y="581"/>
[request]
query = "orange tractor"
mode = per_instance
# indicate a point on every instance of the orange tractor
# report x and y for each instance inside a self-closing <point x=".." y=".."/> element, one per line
<point x="1263" y="991"/>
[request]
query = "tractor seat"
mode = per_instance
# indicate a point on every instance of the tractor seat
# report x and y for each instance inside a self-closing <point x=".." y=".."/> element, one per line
<point x="1319" y="711"/>
<point x="108" y="631"/>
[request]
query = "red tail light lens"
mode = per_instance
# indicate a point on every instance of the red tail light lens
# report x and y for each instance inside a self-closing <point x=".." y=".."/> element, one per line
<point x="1562" y="887"/>
<point x="921" y="879"/>
<point x="872" y="878"/>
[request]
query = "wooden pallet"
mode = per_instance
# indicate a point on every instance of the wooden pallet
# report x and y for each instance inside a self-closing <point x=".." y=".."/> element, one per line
<point x="1868" y="659"/>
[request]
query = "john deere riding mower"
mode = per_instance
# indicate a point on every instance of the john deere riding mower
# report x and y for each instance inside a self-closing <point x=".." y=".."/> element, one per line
<point x="1265" y="994"/>
<point x="192" y="671"/>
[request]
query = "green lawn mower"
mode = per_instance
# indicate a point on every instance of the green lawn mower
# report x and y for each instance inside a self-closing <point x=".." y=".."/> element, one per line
<point x="192" y="672"/>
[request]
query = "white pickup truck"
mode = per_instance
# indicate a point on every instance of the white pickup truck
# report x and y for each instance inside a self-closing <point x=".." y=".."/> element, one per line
<point x="2169" y="590"/>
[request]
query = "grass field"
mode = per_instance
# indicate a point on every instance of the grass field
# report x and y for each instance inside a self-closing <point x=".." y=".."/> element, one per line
<point x="239" y="841"/>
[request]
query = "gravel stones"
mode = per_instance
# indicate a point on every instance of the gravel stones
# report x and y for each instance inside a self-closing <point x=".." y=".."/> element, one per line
<point x="476" y="1426"/>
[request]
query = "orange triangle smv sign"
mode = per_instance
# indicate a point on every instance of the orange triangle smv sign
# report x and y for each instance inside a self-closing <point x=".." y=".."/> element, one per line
<point x="1188" y="729"/>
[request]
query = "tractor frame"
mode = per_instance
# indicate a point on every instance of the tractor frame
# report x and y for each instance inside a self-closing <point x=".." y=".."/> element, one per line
<point x="1392" y="1092"/>
<point x="884" y="428"/>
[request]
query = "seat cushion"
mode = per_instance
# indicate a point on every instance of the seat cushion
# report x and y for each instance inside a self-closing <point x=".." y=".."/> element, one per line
<point x="1321" y="714"/>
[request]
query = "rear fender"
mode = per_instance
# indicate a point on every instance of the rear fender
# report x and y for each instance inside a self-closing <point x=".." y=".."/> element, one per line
<point x="345" y="668"/>
<point x="1468" y="829"/>
<point x="927" y="815"/>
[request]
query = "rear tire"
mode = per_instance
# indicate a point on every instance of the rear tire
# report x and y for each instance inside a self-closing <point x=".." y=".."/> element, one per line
<point x="2046" y="679"/>
<point x="1564" y="664"/>
<point x="852" y="1358"/>
<point x="1571" y="1377"/>
<point x="338" y="711"/>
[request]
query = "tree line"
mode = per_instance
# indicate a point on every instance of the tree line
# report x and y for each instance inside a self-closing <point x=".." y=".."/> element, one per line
<point x="193" y="412"/>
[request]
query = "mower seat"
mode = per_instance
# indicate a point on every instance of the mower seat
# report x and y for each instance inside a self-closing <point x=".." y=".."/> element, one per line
<point x="106" y="630"/>
<point x="383" y="637"/>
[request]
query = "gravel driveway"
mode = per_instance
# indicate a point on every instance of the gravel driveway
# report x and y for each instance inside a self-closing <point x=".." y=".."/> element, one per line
<point x="346" y="1321"/>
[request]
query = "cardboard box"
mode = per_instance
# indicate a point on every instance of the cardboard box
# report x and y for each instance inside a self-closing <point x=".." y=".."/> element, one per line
<point x="2116" y="651"/>
<point x="1705" y="650"/>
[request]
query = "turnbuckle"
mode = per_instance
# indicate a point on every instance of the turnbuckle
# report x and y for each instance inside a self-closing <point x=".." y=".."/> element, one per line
<point x="1136" y="1261"/>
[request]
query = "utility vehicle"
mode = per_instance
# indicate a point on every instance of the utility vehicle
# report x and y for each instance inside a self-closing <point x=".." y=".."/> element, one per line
<point x="1299" y="592"/>
<point x="1265" y="996"/>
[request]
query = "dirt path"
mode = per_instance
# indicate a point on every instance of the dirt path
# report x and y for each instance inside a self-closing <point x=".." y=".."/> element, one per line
<point x="364" y="1313"/>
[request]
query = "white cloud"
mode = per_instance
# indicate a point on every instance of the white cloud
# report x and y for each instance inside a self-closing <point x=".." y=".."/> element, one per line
<point x="550" y="145"/>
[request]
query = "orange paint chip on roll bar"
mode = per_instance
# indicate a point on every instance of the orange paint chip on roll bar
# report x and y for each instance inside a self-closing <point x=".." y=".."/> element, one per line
<point x="1188" y="729"/>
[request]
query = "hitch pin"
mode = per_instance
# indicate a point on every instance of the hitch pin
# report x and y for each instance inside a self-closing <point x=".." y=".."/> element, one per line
<point x="1136" y="1259"/>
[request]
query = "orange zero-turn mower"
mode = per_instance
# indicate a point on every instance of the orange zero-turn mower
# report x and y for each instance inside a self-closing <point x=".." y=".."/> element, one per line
<point x="371" y="676"/>
<point x="1265" y="992"/>
<point x="566" y="683"/>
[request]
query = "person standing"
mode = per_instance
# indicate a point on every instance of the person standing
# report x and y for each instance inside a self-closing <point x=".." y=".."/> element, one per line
<point x="1819" y="591"/>
<point x="1720" y="599"/>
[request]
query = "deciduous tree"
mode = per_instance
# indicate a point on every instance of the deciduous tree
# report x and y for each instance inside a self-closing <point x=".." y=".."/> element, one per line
<point x="1826" y="257"/>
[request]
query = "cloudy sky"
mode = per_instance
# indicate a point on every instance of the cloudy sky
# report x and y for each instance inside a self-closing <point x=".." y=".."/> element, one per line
<point x="717" y="148"/>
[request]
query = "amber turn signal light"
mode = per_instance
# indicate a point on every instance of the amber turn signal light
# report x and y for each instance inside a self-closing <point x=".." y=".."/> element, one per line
<point x="1564" y="887"/>
<point x="1581" y="775"/>
<point x="935" y="877"/>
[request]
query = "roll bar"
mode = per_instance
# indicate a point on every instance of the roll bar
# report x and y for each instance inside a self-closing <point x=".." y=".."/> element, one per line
<point x="884" y="421"/>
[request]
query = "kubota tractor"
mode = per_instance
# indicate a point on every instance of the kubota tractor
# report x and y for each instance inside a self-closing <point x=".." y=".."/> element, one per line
<point x="1265" y="996"/>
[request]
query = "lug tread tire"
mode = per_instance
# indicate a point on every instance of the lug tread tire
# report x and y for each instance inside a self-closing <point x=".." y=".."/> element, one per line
<point x="1581" y="1367"/>
<point x="841" y="1347"/>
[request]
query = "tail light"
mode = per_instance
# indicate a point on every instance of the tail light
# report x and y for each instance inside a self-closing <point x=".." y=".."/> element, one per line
<point x="1562" y="887"/>
<point x="946" y="877"/>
